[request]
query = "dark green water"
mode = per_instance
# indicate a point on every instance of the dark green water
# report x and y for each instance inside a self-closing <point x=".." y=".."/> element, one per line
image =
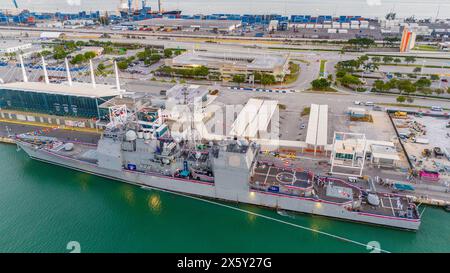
<point x="43" y="207"/>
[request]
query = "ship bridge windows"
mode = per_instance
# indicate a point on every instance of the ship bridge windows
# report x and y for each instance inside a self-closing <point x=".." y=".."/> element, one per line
<point x="343" y="156"/>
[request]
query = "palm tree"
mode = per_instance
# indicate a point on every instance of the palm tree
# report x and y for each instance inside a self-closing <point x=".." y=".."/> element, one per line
<point x="375" y="66"/>
<point x="366" y="67"/>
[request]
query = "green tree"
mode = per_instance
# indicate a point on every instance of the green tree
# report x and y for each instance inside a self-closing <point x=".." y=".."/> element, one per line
<point x="362" y="59"/>
<point x="78" y="59"/>
<point x="379" y="85"/>
<point x="397" y="60"/>
<point x="406" y="86"/>
<point x="239" y="78"/>
<point x="439" y="91"/>
<point x="361" y="42"/>
<point x="101" y="67"/>
<point x="410" y="59"/>
<point x="376" y="59"/>
<point x="89" y="55"/>
<point x="422" y="83"/>
<point x="434" y="77"/>
<point x="167" y="53"/>
<point x="320" y="84"/>
<point x="44" y="53"/>
<point x="387" y="59"/>
<point x="349" y="80"/>
<point x="122" y="65"/>
<point x="267" y="79"/>
<point x="417" y="69"/>
<point x="401" y="99"/>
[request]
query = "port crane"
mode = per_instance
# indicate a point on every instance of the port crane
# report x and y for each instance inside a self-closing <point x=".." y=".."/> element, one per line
<point x="15" y="4"/>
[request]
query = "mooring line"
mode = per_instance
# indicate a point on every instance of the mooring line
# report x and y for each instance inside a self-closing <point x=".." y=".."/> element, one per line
<point x="276" y="220"/>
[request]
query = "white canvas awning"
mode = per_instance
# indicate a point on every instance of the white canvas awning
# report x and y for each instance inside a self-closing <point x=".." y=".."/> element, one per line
<point x="254" y="117"/>
<point x="317" y="125"/>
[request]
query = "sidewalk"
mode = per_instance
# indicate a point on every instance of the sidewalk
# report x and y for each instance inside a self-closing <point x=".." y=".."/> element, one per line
<point x="47" y="125"/>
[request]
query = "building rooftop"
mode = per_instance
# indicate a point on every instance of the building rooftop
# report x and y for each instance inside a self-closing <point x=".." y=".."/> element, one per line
<point x="317" y="125"/>
<point x="387" y="152"/>
<point x="189" y="93"/>
<point x="190" y="23"/>
<point x="77" y="89"/>
<point x="245" y="60"/>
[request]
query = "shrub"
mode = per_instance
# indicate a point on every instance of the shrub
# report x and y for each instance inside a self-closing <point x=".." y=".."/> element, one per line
<point x="401" y="99"/>
<point x="320" y="84"/>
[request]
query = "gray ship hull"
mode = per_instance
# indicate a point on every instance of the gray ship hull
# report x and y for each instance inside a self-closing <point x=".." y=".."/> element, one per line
<point x="204" y="189"/>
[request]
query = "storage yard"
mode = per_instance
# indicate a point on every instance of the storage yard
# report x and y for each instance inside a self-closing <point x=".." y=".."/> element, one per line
<point x="427" y="142"/>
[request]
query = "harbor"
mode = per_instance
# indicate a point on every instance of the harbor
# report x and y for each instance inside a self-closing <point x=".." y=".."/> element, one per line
<point x="46" y="195"/>
<point x="315" y="122"/>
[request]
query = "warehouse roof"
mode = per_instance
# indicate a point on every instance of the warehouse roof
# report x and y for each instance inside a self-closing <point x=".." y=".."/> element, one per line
<point x="51" y="35"/>
<point x="190" y="23"/>
<point x="254" y="117"/>
<point x="77" y="89"/>
<point x="318" y="125"/>
<point x="246" y="60"/>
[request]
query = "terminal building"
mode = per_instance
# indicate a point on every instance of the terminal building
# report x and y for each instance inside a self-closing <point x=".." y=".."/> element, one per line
<point x="69" y="103"/>
<point x="228" y="64"/>
<point x="163" y="24"/>
<point x="78" y="100"/>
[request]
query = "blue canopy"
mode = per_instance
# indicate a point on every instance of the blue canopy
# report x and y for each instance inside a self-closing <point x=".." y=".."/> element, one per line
<point x="403" y="187"/>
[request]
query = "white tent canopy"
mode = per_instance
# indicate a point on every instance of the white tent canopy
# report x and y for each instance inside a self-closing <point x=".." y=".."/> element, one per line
<point x="254" y="117"/>
<point x="317" y="125"/>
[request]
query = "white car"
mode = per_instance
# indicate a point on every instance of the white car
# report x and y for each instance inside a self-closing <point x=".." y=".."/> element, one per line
<point x="369" y="103"/>
<point x="357" y="102"/>
<point x="436" y="108"/>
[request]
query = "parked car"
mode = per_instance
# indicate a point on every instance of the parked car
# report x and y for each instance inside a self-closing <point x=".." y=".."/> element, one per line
<point x="438" y="152"/>
<point x="352" y="179"/>
<point x="377" y="108"/>
<point x="436" y="108"/>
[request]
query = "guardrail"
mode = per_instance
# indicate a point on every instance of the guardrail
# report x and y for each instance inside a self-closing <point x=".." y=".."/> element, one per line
<point x="261" y="90"/>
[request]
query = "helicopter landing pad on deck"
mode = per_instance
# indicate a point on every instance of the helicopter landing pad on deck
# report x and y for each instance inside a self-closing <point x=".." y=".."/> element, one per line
<point x="266" y="174"/>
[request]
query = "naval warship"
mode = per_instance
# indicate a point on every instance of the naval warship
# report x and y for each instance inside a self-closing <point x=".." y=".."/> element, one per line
<point x="229" y="169"/>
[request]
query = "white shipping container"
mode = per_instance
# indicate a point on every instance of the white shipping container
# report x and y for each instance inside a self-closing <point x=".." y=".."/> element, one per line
<point x="364" y="22"/>
<point x="345" y="25"/>
<point x="327" y="26"/>
<point x="332" y="30"/>
<point x="336" y="25"/>
<point x="354" y="22"/>
<point x="364" y="26"/>
<point x="309" y="26"/>
<point x="354" y="26"/>
<point x="343" y="31"/>
<point x="319" y="26"/>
